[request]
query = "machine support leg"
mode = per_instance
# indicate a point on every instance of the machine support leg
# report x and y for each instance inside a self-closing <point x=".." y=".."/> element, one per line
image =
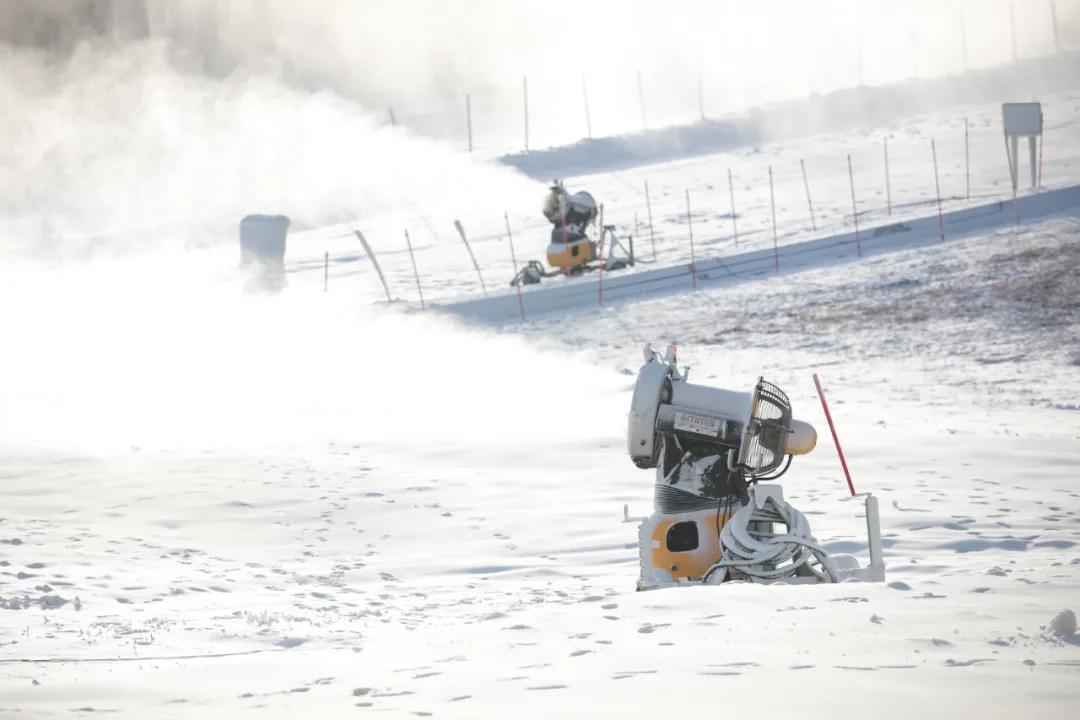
<point x="1034" y="161"/>
<point x="873" y="536"/>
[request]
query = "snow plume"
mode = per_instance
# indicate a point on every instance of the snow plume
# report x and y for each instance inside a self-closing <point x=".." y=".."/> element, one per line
<point x="153" y="352"/>
<point x="116" y="148"/>
<point x="136" y="123"/>
<point x="422" y="56"/>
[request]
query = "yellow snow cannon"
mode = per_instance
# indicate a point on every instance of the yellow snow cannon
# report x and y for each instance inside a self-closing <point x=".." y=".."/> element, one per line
<point x="571" y="251"/>
<point x="713" y="519"/>
<point x="571" y="256"/>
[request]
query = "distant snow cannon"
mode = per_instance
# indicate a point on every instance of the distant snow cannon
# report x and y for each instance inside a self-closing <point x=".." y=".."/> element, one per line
<point x="712" y="521"/>
<point x="571" y="251"/>
<point x="262" y="251"/>
<point x="569" y="215"/>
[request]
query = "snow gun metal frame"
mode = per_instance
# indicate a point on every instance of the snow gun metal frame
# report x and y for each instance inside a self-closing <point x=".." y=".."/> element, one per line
<point x="713" y="519"/>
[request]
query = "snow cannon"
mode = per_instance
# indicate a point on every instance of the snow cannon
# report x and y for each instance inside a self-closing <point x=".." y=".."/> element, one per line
<point x="714" y="518"/>
<point x="570" y="250"/>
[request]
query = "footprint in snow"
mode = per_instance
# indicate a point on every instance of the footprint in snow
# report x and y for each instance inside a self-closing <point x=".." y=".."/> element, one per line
<point x="967" y="663"/>
<point x="649" y="627"/>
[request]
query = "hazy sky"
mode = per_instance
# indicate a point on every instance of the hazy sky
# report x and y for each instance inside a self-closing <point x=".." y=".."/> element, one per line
<point x="147" y="117"/>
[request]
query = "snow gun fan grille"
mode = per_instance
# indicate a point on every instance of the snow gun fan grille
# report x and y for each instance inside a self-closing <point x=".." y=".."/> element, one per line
<point x="763" y="442"/>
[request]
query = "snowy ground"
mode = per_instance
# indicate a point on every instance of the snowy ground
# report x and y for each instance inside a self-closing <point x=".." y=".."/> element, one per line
<point x="307" y="505"/>
<point x="490" y="571"/>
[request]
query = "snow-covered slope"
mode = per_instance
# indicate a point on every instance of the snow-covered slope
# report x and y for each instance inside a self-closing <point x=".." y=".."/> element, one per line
<point x="460" y="552"/>
<point x="983" y="177"/>
<point x="308" y="504"/>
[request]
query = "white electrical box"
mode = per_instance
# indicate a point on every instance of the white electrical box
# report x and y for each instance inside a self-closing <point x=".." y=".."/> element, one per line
<point x="1022" y="118"/>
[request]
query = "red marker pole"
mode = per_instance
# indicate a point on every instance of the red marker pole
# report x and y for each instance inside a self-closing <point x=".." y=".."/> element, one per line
<point x="967" y="163"/>
<point x="734" y="225"/>
<point x="652" y="233"/>
<point x="565" y="238"/>
<point x="937" y="187"/>
<point x="835" y="439"/>
<point x="806" y="184"/>
<point x="693" y="259"/>
<point x="600" y="257"/>
<point x="513" y="259"/>
<point x="888" y="183"/>
<point x="772" y="204"/>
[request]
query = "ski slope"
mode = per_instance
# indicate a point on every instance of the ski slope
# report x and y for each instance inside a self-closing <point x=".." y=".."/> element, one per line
<point x="749" y="266"/>
<point x="327" y="560"/>
<point x="321" y="504"/>
<point x="447" y="274"/>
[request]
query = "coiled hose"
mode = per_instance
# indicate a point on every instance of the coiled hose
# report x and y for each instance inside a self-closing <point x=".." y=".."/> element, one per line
<point x="749" y="548"/>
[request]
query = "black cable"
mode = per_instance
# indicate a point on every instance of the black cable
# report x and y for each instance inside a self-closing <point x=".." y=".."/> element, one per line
<point x="784" y="470"/>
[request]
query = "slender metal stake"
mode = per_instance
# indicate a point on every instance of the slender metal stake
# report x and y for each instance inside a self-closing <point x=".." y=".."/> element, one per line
<point x="326" y="272"/>
<point x="648" y="206"/>
<point x="731" y="191"/>
<point x="393" y="120"/>
<point x="468" y="248"/>
<point x="374" y="263"/>
<point x="700" y="97"/>
<point x="525" y="95"/>
<point x="806" y="184"/>
<point x="1041" y="125"/>
<point x="693" y="258"/>
<point x="914" y="61"/>
<point x="513" y="259"/>
<point x="963" y="42"/>
<point x="588" y="118"/>
<point x="888" y="184"/>
<point x="772" y="204"/>
<point x="641" y="100"/>
<point x="1054" y="24"/>
<point x="858" y="57"/>
<point x="854" y="208"/>
<point x="937" y="188"/>
<point x="967" y="163"/>
<point x="565" y="236"/>
<point x="468" y="119"/>
<point x="1012" y="29"/>
<point x="416" y="273"/>
<point x="600" y="257"/>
